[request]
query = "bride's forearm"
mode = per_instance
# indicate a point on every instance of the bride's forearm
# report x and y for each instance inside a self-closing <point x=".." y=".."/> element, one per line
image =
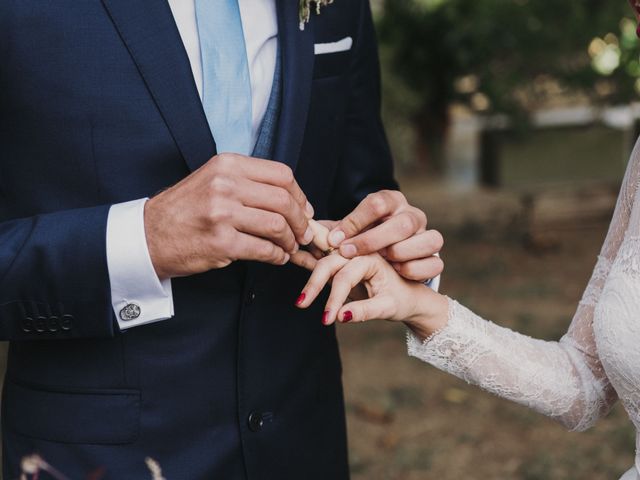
<point x="431" y="314"/>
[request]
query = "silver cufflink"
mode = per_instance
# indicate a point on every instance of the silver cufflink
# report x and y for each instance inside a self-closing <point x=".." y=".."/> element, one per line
<point x="130" y="312"/>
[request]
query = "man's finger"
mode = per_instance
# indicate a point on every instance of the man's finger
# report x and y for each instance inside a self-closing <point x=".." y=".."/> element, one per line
<point x="371" y="210"/>
<point x="305" y="260"/>
<point x="422" y="245"/>
<point x="273" y="173"/>
<point x="315" y="251"/>
<point x="268" y="225"/>
<point x="330" y="224"/>
<point x="398" y="228"/>
<point x="420" y="270"/>
<point x="248" y="247"/>
<point x="277" y="200"/>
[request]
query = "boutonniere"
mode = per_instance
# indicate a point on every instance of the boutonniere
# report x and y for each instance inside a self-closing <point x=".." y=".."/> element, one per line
<point x="306" y="7"/>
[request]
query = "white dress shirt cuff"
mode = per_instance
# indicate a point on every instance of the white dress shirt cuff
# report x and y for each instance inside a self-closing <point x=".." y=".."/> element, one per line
<point x="434" y="283"/>
<point x="137" y="294"/>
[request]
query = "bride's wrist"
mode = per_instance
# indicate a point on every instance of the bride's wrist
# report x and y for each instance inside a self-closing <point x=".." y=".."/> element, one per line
<point x="431" y="314"/>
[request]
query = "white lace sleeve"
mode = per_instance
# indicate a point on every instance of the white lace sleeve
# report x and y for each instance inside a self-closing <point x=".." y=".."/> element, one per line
<point x="563" y="380"/>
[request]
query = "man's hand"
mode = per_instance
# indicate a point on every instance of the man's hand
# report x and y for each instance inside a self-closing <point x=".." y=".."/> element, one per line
<point x="232" y="208"/>
<point x="384" y="222"/>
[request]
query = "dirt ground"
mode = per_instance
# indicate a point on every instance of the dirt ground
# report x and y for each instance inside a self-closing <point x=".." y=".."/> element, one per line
<point x="409" y="421"/>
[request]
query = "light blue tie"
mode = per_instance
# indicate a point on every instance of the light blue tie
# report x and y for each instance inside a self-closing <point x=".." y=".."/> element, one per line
<point x="226" y="95"/>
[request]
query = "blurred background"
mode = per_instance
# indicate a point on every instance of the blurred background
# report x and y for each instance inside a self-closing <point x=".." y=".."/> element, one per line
<point x="511" y="122"/>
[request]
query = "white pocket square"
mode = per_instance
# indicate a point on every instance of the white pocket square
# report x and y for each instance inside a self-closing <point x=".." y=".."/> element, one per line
<point x="343" y="45"/>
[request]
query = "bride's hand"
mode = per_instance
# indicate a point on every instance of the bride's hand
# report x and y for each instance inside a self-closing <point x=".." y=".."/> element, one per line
<point x="386" y="294"/>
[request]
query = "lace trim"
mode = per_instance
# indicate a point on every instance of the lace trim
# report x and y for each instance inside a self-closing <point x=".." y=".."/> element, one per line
<point x="412" y="339"/>
<point x="628" y="259"/>
<point x="593" y="291"/>
<point x="552" y="378"/>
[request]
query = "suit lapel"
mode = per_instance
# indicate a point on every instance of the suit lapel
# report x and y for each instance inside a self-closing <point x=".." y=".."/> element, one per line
<point x="297" y="58"/>
<point x="149" y="31"/>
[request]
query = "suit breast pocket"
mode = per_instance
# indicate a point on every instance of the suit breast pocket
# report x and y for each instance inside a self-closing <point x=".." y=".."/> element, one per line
<point x="97" y="417"/>
<point x="332" y="59"/>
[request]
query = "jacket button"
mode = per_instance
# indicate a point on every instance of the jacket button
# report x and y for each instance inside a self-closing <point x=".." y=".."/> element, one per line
<point x="54" y="324"/>
<point x="66" y="323"/>
<point x="256" y="421"/>
<point x="251" y="297"/>
<point x="27" y="324"/>
<point x="41" y="324"/>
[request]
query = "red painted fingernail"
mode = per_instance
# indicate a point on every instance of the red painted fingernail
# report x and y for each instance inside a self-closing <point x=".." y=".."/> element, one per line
<point x="325" y="318"/>
<point x="301" y="298"/>
<point x="347" y="316"/>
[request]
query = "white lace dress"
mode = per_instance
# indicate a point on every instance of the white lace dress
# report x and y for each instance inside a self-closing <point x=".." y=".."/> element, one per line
<point x="579" y="378"/>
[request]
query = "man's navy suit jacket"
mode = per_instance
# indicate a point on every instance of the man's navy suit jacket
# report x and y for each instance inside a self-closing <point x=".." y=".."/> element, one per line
<point x="98" y="106"/>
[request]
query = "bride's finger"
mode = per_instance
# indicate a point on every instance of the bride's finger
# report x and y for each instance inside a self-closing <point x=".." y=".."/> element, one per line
<point x="324" y="270"/>
<point x="357" y="270"/>
<point x="363" y="310"/>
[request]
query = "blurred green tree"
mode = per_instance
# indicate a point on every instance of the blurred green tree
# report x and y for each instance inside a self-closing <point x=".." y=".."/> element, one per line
<point x="502" y="56"/>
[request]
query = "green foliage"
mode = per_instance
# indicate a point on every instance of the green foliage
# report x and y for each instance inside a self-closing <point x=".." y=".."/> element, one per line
<point x="507" y="55"/>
